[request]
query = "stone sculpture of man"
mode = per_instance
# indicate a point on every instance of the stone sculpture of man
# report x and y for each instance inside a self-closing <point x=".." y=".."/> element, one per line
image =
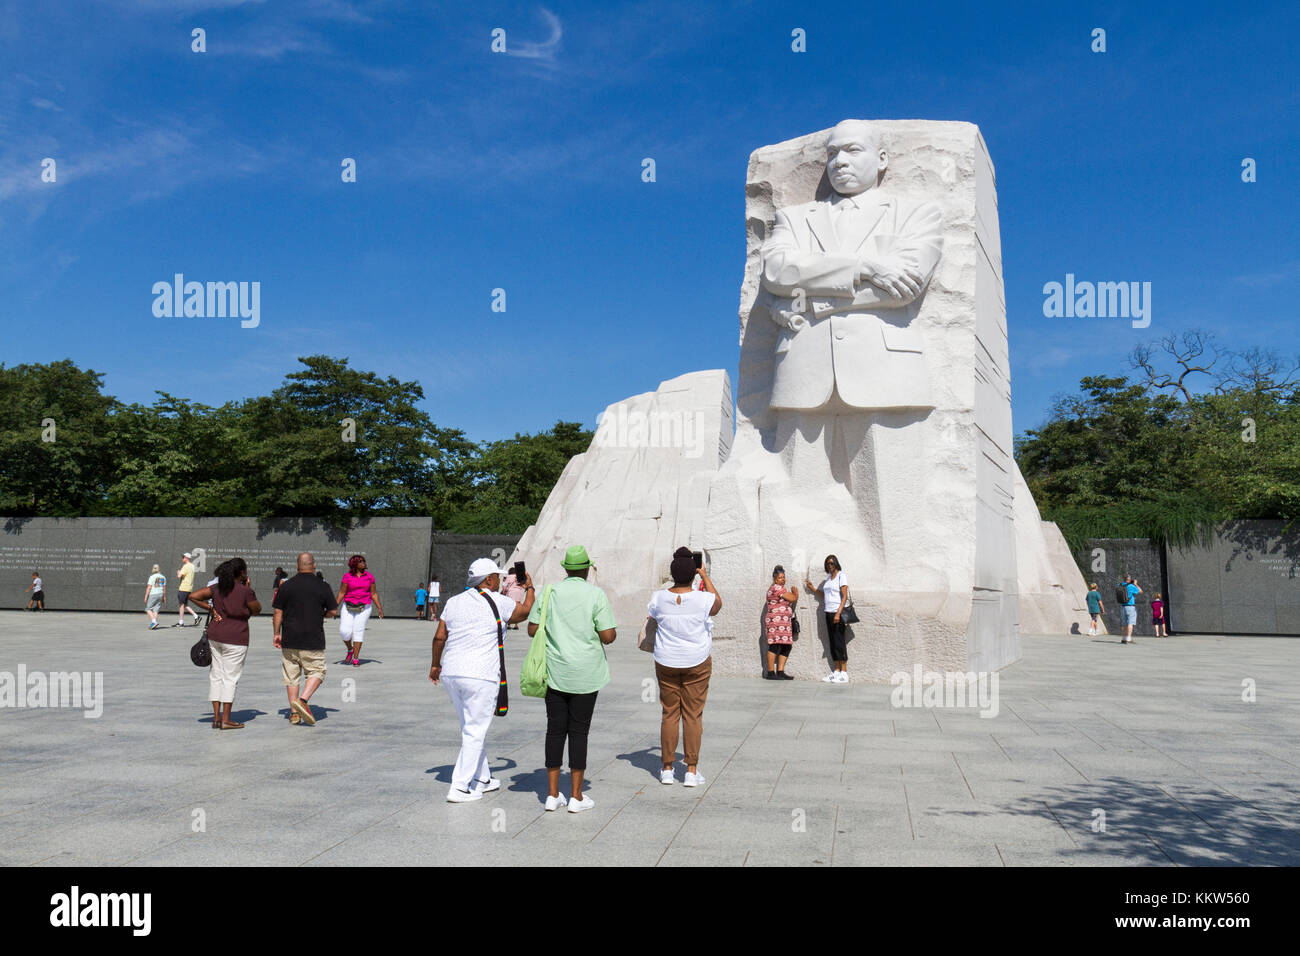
<point x="851" y="387"/>
<point x="846" y="273"/>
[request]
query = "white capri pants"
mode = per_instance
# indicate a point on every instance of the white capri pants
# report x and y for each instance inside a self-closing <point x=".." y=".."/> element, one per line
<point x="352" y="627"/>
<point x="475" y="701"/>
<point x="224" y="671"/>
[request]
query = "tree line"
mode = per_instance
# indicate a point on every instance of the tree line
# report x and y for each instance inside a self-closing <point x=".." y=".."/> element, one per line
<point x="1194" y="434"/>
<point x="331" y="441"/>
<point x="1197" y="435"/>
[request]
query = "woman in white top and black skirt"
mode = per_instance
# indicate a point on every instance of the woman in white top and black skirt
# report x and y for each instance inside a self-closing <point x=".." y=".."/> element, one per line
<point x="835" y="595"/>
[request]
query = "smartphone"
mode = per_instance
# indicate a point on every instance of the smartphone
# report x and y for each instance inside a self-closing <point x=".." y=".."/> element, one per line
<point x="699" y="558"/>
<point x="520" y="574"/>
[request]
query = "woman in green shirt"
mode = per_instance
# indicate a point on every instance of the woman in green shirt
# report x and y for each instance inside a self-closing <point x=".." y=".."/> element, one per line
<point x="579" y="623"/>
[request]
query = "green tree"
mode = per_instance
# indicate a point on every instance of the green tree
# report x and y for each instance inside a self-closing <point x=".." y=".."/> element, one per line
<point x="70" y="474"/>
<point x="513" y="478"/>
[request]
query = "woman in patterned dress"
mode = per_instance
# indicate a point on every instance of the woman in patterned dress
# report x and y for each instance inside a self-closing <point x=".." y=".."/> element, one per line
<point x="778" y="625"/>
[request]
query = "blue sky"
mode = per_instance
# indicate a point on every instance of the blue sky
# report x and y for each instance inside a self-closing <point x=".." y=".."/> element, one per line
<point x="523" y="171"/>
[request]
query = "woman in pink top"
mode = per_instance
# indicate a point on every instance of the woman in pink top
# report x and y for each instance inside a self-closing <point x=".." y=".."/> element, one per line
<point x="355" y="598"/>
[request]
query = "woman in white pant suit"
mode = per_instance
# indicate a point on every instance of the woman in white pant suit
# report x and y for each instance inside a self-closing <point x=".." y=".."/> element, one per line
<point x="466" y="658"/>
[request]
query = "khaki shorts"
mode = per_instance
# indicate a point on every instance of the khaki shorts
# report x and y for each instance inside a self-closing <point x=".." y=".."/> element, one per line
<point x="294" y="664"/>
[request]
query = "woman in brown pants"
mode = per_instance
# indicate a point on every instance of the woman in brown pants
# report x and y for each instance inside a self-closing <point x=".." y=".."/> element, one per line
<point x="683" y="661"/>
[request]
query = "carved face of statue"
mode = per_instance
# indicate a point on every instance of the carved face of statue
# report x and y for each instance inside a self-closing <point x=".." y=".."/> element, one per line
<point x="854" y="160"/>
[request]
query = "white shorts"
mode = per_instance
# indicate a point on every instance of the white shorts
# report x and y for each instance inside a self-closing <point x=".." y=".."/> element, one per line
<point x="352" y="627"/>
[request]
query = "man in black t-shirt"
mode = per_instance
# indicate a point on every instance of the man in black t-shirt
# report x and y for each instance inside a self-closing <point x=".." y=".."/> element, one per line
<point x="301" y="605"/>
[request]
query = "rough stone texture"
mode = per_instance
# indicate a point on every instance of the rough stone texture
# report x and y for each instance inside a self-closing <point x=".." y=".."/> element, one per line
<point x="946" y="597"/>
<point x="103" y="563"/>
<point x="1053" y="594"/>
<point x="944" y="592"/>
<point x="638" y="493"/>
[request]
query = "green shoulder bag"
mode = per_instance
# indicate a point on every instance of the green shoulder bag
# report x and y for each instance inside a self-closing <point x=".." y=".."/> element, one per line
<point x="532" y="679"/>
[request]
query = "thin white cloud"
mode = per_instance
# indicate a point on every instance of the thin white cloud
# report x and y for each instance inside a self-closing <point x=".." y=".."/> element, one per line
<point x="268" y="43"/>
<point x="1264" y="280"/>
<point x="545" y="50"/>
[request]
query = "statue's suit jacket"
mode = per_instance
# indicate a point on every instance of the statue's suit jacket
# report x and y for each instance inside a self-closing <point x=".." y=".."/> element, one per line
<point x="849" y="334"/>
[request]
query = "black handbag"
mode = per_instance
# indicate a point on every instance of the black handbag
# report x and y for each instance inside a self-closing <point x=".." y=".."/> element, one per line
<point x="503" y="698"/>
<point x="848" y="615"/>
<point x="201" y="652"/>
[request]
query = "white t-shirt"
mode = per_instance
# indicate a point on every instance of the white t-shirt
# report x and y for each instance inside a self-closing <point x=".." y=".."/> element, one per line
<point x="685" y="635"/>
<point x="435" y="590"/>
<point x="831" y="591"/>
<point x="471" y="649"/>
<point x="36" y="585"/>
<point x="156" y="583"/>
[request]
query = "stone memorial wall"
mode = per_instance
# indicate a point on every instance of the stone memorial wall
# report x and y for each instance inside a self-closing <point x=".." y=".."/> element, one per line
<point x="102" y="564"/>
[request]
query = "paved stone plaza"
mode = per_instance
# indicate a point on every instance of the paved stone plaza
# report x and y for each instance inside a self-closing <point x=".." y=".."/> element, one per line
<point x="1156" y="736"/>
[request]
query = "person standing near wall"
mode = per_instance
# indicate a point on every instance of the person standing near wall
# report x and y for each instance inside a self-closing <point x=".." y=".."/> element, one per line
<point x="155" y="592"/>
<point x="185" y="578"/>
<point x="37" y="588"/>
<point x="1131" y="591"/>
<point x="421" y="599"/>
<point x="1158" y="616"/>
<point x="835" y="593"/>
<point x="778" y="625"/>
<point x="1095" y="608"/>
<point x="357" y="596"/>
<point x="435" y="593"/>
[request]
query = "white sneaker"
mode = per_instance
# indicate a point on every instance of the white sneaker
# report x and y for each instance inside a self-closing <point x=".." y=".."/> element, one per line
<point x="487" y="786"/>
<point x="463" y="796"/>
<point x="829" y="678"/>
<point x="841" y="677"/>
<point x="556" y="803"/>
<point x="693" y="780"/>
<point x="577" y="806"/>
<point x="666" y="776"/>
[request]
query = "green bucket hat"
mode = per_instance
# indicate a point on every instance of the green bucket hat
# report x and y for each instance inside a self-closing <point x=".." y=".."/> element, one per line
<point x="575" y="559"/>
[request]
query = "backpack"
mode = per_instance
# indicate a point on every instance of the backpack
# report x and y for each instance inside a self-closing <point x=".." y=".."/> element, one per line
<point x="1121" y="594"/>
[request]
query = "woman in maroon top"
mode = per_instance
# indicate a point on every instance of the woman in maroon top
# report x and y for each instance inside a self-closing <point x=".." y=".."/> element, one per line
<point x="232" y="602"/>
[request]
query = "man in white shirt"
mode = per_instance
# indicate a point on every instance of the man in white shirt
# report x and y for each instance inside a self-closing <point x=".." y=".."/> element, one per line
<point x="468" y="658"/>
<point x="155" y="592"/>
<point x="37" y="603"/>
<point x="435" y="591"/>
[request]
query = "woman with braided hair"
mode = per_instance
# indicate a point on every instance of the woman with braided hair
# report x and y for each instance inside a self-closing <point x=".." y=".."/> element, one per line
<point x="231" y="601"/>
